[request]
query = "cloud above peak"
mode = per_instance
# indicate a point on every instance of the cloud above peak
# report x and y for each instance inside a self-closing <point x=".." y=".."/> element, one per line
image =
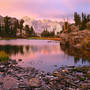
<point x="43" y="8"/>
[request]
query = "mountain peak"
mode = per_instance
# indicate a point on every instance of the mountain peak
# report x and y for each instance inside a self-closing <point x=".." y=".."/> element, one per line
<point x="28" y="18"/>
<point x="41" y="24"/>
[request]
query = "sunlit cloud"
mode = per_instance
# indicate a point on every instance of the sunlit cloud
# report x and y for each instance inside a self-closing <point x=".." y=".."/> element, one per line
<point x="43" y="8"/>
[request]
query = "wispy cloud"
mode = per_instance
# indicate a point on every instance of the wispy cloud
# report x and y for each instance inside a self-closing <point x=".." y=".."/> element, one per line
<point x="43" y="8"/>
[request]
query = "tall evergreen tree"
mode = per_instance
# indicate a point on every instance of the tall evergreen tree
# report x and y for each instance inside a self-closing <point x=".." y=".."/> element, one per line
<point x="52" y="33"/>
<point x="77" y="19"/>
<point x="16" y="25"/>
<point x="27" y="29"/>
<point x="45" y="33"/>
<point x="32" y="31"/>
<point x="21" y="26"/>
<point x="84" y="21"/>
<point x="88" y="17"/>
<point x="7" y="25"/>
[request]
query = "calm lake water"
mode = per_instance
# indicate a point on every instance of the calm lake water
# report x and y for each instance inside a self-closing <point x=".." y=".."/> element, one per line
<point x="42" y="54"/>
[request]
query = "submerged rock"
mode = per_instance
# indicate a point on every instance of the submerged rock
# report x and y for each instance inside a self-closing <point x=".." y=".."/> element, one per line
<point x="19" y="60"/>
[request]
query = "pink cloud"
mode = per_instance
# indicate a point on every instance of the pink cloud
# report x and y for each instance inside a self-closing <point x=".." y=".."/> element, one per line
<point x="41" y="8"/>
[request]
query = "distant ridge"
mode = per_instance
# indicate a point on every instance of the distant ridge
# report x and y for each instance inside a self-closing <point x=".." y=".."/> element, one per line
<point x="40" y="25"/>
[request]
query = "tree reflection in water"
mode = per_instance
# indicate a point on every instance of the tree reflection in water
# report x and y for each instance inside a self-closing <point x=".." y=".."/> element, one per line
<point x="13" y="50"/>
<point x="78" y="55"/>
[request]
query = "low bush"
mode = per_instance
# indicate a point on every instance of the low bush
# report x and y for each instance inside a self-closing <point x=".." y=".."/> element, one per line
<point x="3" y="56"/>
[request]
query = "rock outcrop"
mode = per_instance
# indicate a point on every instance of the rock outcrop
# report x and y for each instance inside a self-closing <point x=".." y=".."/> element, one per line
<point x="74" y="39"/>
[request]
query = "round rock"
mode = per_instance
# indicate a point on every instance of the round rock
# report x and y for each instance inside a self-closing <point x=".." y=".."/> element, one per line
<point x="35" y="83"/>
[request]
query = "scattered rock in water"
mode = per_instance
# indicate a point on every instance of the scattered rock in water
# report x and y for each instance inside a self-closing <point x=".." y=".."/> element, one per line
<point x="35" y="83"/>
<point x="63" y="78"/>
<point x="19" y="60"/>
<point x="14" y="62"/>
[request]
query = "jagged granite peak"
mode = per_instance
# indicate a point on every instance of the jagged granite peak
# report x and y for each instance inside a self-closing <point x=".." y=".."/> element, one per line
<point x="41" y="24"/>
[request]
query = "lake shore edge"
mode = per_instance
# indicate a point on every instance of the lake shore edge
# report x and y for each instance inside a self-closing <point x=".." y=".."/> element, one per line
<point x="76" y="43"/>
<point x="35" y="38"/>
<point x="65" y="77"/>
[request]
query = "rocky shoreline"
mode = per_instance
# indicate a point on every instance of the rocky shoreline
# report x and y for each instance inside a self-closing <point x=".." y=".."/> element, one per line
<point x="77" y="44"/>
<point x="75" y="38"/>
<point x="15" y="77"/>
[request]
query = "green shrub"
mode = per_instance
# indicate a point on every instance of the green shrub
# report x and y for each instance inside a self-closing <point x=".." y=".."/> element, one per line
<point x="69" y="30"/>
<point x="3" y="56"/>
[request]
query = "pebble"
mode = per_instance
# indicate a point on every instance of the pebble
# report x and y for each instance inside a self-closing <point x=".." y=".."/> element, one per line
<point x="64" y="78"/>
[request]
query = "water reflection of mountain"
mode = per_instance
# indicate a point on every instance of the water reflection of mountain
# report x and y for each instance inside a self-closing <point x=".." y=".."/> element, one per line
<point x="34" y="51"/>
<point x="83" y="55"/>
<point x="16" y="49"/>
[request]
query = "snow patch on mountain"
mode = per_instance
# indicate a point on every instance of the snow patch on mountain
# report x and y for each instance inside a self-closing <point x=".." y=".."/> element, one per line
<point x="40" y="25"/>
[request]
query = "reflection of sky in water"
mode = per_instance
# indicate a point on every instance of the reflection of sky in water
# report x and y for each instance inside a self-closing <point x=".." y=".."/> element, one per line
<point x="41" y="54"/>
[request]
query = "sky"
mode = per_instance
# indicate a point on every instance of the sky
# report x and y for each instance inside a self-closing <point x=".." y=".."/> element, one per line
<point x="51" y="9"/>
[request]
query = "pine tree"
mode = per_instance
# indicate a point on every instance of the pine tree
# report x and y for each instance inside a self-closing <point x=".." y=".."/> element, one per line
<point x="77" y="19"/>
<point x="21" y="26"/>
<point x="27" y="29"/>
<point x="16" y="25"/>
<point x="45" y="33"/>
<point x="84" y="22"/>
<point x="7" y="25"/>
<point x="32" y="31"/>
<point x="88" y="17"/>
